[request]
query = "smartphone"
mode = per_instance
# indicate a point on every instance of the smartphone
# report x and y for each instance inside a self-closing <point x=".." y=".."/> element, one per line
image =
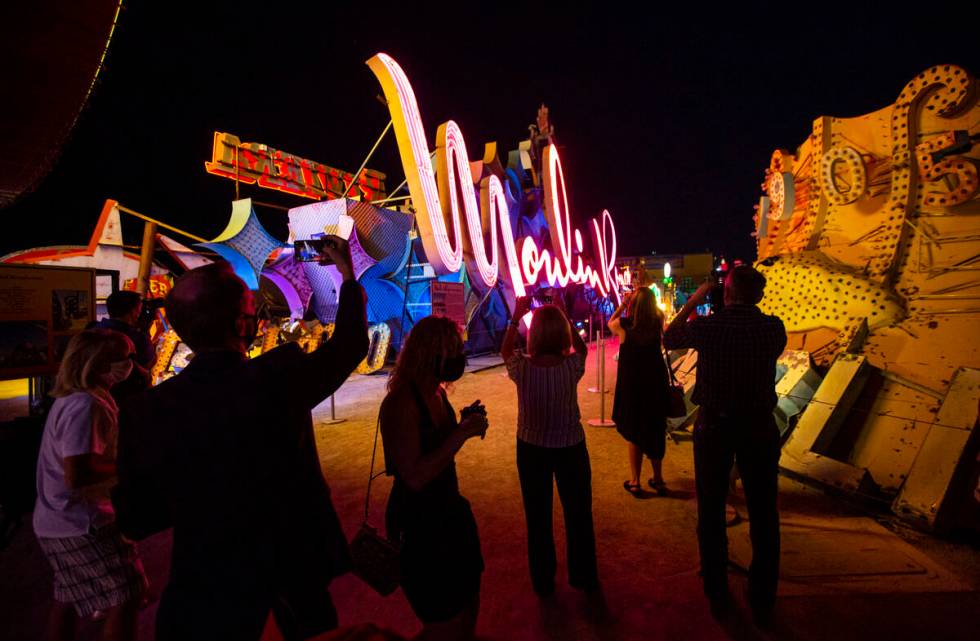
<point x="311" y="250"/>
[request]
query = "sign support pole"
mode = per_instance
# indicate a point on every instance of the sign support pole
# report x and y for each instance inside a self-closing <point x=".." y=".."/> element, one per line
<point x="146" y="257"/>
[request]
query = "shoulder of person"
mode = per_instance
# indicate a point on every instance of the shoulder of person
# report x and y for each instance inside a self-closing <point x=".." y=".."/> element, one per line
<point x="75" y="402"/>
<point x="398" y="403"/>
<point x="771" y="318"/>
<point x="401" y="399"/>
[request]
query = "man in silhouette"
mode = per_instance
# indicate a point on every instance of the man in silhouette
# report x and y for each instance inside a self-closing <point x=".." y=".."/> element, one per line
<point x="737" y="351"/>
<point x="224" y="453"/>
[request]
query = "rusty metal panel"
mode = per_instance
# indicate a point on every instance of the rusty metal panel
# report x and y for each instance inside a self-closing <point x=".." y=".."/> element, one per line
<point x="895" y="428"/>
<point x="826" y="471"/>
<point x="930" y="484"/>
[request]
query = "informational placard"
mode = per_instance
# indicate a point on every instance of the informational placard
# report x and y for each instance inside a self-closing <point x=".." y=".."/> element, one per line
<point x="448" y="299"/>
<point x="41" y="308"/>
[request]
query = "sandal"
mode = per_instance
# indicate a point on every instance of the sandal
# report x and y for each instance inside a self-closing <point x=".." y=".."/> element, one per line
<point x="633" y="488"/>
<point x="660" y="487"/>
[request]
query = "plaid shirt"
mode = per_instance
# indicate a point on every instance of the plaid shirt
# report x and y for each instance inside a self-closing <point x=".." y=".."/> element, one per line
<point x="737" y="352"/>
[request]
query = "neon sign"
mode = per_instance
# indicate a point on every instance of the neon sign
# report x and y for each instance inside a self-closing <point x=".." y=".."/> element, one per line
<point x="252" y="163"/>
<point x="439" y="196"/>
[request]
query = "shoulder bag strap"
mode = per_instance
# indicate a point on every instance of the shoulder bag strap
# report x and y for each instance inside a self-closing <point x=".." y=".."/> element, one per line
<point x="372" y="475"/>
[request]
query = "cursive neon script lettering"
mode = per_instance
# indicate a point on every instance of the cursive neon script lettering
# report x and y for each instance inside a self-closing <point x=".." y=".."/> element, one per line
<point x="438" y="207"/>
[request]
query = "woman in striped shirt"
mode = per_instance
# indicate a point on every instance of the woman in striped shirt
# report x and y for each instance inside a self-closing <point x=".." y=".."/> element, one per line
<point x="551" y="445"/>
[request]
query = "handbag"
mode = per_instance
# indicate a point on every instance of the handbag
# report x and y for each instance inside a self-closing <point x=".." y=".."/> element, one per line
<point x="676" y="405"/>
<point x="375" y="559"/>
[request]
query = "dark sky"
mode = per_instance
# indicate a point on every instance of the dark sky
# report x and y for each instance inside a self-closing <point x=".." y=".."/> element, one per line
<point x="666" y="118"/>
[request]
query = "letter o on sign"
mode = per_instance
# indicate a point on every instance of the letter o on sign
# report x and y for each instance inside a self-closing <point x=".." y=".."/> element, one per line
<point x="782" y="195"/>
<point x="855" y="168"/>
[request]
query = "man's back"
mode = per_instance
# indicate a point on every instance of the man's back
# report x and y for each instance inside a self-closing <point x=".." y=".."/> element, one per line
<point x="737" y="352"/>
<point x="226" y="448"/>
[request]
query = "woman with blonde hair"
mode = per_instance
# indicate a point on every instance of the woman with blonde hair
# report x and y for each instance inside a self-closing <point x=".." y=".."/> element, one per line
<point x="551" y="445"/>
<point x="640" y="403"/>
<point x="94" y="568"/>
<point x="441" y="562"/>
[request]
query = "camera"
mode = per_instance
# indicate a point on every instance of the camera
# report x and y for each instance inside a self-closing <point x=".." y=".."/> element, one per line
<point x="466" y="411"/>
<point x="716" y="298"/>
<point x="311" y="250"/>
<point x="470" y="410"/>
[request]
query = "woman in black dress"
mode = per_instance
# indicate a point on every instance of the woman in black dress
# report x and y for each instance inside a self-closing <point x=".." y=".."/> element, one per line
<point x="640" y="404"/>
<point x="441" y="563"/>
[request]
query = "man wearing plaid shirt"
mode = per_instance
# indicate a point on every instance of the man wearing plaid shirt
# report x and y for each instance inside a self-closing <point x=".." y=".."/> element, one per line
<point x="737" y="351"/>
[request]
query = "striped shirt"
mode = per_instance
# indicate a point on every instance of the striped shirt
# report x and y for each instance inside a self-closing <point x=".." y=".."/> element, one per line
<point x="547" y="400"/>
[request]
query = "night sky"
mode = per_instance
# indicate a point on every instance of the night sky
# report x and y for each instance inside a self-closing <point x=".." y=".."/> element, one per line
<point x="666" y="118"/>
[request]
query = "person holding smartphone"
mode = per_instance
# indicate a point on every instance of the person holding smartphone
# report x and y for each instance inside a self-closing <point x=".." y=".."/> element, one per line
<point x="225" y="454"/>
<point x="551" y="444"/>
<point x="737" y="347"/>
<point x="642" y="384"/>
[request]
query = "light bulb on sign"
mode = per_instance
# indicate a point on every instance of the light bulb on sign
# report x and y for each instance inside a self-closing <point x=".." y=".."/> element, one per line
<point x="666" y="270"/>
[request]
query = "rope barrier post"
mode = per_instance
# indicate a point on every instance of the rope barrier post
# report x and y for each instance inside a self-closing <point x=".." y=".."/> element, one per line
<point x="333" y="414"/>
<point x="600" y="350"/>
<point x="601" y="421"/>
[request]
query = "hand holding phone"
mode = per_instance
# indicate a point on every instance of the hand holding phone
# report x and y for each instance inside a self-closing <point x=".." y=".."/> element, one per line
<point x="475" y="409"/>
<point x="312" y="250"/>
<point x="326" y="250"/>
<point x="338" y="253"/>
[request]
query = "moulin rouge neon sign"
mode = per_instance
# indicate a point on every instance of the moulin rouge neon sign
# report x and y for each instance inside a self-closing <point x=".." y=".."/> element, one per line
<point x="439" y="205"/>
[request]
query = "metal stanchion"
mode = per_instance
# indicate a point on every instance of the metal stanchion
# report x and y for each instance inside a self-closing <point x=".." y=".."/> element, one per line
<point x="333" y="414"/>
<point x="602" y="421"/>
<point x="600" y="365"/>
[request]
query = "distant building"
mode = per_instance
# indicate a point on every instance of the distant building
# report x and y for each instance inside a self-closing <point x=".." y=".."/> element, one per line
<point x="687" y="270"/>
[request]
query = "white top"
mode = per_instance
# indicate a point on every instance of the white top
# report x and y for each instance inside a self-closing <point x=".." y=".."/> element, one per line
<point x="547" y="400"/>
<point x="61" y="512"/>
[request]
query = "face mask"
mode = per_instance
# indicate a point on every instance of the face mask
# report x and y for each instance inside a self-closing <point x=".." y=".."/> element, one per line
<point x="119" y="371"/>
<point x="452" y="368"/>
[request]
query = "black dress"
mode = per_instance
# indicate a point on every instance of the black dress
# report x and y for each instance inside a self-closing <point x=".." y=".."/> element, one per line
<point x="640" y="404"/>
<point x="441" y="562"/>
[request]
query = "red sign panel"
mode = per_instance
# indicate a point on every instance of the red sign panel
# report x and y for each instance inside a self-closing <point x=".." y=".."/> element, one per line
<point x="254" y="163"/>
